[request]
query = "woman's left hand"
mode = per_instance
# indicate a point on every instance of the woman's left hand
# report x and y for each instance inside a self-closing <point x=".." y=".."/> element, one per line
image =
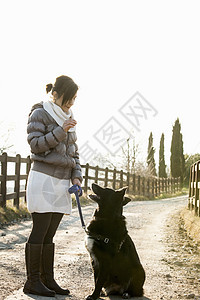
<point x="76" y="181"/>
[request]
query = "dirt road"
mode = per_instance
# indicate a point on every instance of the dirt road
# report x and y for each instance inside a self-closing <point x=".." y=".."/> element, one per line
<point x="171" y="260"/>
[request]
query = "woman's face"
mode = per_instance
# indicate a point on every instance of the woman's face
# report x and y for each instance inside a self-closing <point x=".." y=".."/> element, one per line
<point x="65" y="107"/>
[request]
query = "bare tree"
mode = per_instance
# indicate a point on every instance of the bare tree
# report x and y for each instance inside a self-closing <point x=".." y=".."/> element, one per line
<point x="5" y="143"/>
<point x="103" y="161"/>
<point x="129" y="155"/>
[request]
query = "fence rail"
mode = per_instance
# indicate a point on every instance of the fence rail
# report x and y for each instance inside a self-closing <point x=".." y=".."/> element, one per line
<point x="137" y="185"/>
<point x="194" y="187"/>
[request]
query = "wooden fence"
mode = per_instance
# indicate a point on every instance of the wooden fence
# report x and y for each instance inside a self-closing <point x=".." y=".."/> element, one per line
<point x="194" y="187"/>
<point x="137" y="185"/>
<point x="18" y="174"/>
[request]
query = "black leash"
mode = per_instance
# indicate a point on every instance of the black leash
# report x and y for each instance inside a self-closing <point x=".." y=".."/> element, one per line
<point x="77" y="190"/>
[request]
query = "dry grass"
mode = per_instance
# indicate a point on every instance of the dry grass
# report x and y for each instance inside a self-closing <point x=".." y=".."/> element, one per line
<point x="191" y="224"/>
<point x="11" y="213"/>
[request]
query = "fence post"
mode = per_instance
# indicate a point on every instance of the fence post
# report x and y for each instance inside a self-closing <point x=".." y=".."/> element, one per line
<point x="148" y="190"/>
<point x="143" y="186"/>
<point x="86" y="177"/>
<point x="128" y="181"/>
<point x="162" y="185"/>
<point x="4" y="179"/>
<point x="17" y="180"/>
<point x="133" y="184"/>
<point x="156" y="187"/>
<point x="173" y="185"/>
<point x="121" y="179"/>
<point x="193" y="192"/>
<point x="114" y="179"/>
<point x="166" y="185"/>
<point x="177" y="184"/>
<point x="138" y="184"/>
<point x="196" y="189"/>
<point x="106" y="178"/>
<point x="169" y="185"/>
<point x="190" y="188"/>
<point x="96" y="174"/>
<point x="152" y="186"/>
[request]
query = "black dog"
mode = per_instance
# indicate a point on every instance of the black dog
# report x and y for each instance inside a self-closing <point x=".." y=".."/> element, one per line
<point x="115" y="261"/>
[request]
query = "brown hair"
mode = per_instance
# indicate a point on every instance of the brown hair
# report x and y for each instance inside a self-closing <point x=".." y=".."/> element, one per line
<point x="65" y="86"/>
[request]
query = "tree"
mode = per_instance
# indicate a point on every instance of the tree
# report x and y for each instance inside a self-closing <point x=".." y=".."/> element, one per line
<point x="130" y="152"/>
<point x="5" y="144"/>
<point x="150" y="157"/>
<point x="162" y="166"/>
<point x="177" y="160"/>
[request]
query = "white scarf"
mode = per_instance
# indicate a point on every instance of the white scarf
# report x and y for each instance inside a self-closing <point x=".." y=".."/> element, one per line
<point x="58" y="114"/>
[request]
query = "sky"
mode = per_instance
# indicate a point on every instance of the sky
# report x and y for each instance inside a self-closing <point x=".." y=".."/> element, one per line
<point x="122" y="54"/>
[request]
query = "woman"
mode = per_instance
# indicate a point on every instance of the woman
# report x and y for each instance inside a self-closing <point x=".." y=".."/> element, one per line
<point x="52" y="139"/>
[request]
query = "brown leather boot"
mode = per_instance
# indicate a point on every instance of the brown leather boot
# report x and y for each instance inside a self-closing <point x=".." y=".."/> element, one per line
<point x="47" y="274"/>
<point x="33" y="284"/>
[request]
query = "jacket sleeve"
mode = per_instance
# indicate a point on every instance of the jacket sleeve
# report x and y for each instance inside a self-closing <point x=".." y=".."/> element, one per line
<point x="38" y="139"/>
<point x="76" y="171"/>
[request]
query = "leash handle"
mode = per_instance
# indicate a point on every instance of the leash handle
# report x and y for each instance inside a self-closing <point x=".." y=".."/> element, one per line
<point x="77" y="190"/>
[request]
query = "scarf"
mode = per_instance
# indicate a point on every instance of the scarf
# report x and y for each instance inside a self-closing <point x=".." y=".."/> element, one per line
<point x="58" y="114"/>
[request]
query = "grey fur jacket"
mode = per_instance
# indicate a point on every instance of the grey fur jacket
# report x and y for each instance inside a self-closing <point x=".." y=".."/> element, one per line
<point x="53" y="151"/>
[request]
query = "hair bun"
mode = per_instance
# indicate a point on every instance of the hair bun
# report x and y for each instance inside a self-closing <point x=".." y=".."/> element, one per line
<point x="49" y="87"/>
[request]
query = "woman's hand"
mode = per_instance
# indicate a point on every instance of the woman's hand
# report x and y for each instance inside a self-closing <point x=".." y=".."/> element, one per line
<point x="76" y="181"/>
<point x="69" y="124"/>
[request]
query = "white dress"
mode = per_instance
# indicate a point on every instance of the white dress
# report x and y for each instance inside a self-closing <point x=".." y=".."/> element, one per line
<point x="45" y="193"/>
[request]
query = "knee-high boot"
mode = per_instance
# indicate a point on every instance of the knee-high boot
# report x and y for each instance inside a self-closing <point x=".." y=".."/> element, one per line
<point x="33" y="284"/>
<point x="47" y="273"/>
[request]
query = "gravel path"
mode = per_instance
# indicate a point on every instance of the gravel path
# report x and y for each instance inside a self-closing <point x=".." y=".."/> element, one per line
<point x="170" y="258"/>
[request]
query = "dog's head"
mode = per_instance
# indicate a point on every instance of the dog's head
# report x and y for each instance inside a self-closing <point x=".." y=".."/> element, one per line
<point x="110" y="201"/>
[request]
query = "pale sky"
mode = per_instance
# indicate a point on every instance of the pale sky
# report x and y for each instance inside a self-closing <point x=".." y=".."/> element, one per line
<point x="112" y="49"/>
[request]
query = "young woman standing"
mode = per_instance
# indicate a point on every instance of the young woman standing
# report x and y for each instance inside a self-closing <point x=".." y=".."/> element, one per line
<point x="55" y="166"/>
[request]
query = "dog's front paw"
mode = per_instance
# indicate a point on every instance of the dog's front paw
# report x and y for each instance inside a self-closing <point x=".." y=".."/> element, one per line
<point x="90" y="297"/>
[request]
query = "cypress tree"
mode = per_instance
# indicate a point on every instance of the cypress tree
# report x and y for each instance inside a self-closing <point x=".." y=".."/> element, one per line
<point x="162" y="166"/>
<point x="150" y="157"/>
<point x="177" y="159"/>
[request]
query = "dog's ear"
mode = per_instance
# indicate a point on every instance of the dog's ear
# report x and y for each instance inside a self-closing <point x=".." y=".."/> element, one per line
<point x="122" y="191"/>
<point x="126" y="200"/>
<point x="98" y="190"/>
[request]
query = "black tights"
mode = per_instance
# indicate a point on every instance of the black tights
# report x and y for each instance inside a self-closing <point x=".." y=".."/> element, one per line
<point x="44" y="227"/>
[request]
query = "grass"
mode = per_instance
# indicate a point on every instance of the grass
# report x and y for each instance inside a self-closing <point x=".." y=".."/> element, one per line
<point x="183" y="192"/>
<point x="191" y="224"/>
<point x="12" y="214"/>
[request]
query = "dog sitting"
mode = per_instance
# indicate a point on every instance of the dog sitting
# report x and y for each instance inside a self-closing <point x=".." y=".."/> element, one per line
<point x="115" y="262"/>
